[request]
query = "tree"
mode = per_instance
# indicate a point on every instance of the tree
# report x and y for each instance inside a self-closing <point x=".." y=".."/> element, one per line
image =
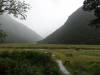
<point x="93" y="5"/>
<point x="2" y="36"/>
<point x="15" y="7"/>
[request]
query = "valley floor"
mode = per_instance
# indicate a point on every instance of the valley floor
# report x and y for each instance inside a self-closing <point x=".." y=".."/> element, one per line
<point x="78" y="59"/>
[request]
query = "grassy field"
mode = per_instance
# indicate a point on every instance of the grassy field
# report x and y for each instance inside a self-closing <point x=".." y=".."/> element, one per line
<point x="48" y="46"/>
<point x="78" y="59"/>
<point x="63" y="52"/>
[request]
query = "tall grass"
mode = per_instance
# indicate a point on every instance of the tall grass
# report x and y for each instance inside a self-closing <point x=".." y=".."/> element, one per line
<point x="84" y="68"/>
<point x="27" y="63"/>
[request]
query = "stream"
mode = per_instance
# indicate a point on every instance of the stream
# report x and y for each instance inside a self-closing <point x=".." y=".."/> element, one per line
<point x="62" y="67"/>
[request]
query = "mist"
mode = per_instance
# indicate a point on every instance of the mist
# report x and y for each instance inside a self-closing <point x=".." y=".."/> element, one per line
<point x="46" y="16"/>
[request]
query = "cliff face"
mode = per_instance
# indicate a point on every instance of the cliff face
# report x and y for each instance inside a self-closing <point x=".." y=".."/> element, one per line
<point x="76" y="30"/>
<point x="17" y="32"/>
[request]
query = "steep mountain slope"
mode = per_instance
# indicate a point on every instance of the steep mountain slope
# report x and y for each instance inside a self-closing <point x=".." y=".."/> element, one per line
<point x="76" y="30"/>
<point x="17" y="32"/>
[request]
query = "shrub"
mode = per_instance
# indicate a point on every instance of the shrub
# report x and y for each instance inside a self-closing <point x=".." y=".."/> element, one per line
<point x="27" y="63"/>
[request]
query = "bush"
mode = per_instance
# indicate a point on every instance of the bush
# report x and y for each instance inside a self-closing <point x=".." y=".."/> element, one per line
<point x="27" y="63"/>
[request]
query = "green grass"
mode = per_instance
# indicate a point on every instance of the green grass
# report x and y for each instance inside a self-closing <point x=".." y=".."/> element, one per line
<point x="91" y="53"/>
<point x="48" y="46"/>
<point x="78" y="59"/>
<point x="61" y="51"/>
<point x="84" y="68"/>
<point x="27" y="63"/>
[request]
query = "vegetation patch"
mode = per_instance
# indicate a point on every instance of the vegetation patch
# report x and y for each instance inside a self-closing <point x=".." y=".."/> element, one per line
<point x="27" y="63"/>
<point x="84" y="68"/>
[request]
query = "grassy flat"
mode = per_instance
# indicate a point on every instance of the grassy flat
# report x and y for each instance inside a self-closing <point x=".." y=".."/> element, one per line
<point x="77" y="58"/>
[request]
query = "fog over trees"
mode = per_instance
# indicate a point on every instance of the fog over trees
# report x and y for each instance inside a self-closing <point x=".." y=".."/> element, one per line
<point x="13" y="7"/>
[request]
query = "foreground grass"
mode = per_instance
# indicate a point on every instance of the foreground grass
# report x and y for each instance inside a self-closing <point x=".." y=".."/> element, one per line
<point x="84" y="68"/>
<point x="27" y="63"/>
<point x="78" y="59"/>
<point x="81" y="62"/>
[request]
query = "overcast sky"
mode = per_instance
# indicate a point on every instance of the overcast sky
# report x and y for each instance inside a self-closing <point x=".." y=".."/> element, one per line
<point x="45" y="16"/>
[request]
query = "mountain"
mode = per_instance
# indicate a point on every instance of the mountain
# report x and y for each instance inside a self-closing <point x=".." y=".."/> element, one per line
<point x="76" y="30"/>
<point x="17" y="32"/>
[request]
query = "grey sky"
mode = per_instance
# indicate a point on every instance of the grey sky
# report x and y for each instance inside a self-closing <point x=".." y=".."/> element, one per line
<point x="45" y="16"/>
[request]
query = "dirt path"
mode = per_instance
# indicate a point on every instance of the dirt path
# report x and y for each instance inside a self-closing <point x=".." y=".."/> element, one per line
<point x="62" y="67"/>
